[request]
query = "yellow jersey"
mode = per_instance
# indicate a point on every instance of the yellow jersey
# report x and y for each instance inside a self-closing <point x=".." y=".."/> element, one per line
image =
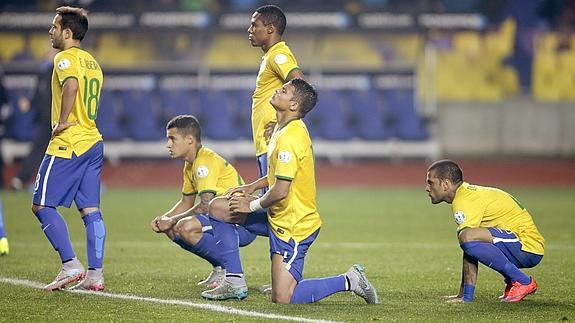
<point x="79" y="64"/>
<point x="478" y="206"/>
<point x="290" y="157"/>
<point x="276" y="65"/>
<point x="209" y="173"/>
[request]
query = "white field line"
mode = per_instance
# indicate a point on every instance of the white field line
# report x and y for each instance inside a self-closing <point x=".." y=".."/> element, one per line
<point x="209" y="307"/>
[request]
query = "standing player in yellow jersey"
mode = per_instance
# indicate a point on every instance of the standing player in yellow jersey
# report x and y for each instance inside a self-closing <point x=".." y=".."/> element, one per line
<point x="205" y="175"/>
<point x="293" y="220"/>
<point x="278" y="66"/>
<point x="70" y="170"/>
<point x="493" y="228"/>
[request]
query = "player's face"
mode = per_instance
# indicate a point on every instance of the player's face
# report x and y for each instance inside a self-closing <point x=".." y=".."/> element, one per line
<point x="257" y="32"/>
<point x="282" y="98"/>
<point x="178" y="145"/>
<point x="435" y="188"/>
<point x="56" y="33"/>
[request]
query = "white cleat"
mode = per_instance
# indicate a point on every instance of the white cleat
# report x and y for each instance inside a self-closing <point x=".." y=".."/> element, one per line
<point x="91" y="283"/>
<point x="225" y="291"/>
<point x="65" y="278"/>
<point x="361" y="286"/>
<point x="215" y="278"/>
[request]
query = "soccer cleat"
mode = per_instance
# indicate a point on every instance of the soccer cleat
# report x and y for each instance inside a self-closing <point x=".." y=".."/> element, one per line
<point x="66" y="277"/>
<point x="519" y="291"/>
<point x="4" y="247"/>
<point x="360" y="285"/>
<point x="266" y="289"/>
<point x="216" y="276"/>
<point x="225" y="291"/>
<point x="506" y="291"/>
<point x="91" y="283"/>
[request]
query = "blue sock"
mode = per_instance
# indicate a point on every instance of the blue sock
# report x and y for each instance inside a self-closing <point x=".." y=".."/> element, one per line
<point x="205" y="248"/>
<point x="245" y="237"/>
<point x="489" y="255"/>
<point x="56" y="231"/>
<point x="226" y="236"/>
<point x="2" y="232"/>
<point x="312" y="290"/>
<point x="95" y="238"/>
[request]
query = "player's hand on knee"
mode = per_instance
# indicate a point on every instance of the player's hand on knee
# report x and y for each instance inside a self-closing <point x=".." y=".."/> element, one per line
<point x="165" y="223"/>
<point x="244" y="190"/>
<point x="154" y="225"/>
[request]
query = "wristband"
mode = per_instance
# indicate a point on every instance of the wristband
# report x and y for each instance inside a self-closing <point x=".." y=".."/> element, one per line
<point x="468" y="291"/>
<point x="255" y="205"/>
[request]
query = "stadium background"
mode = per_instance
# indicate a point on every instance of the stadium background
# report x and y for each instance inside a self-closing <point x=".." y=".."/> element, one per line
<point x="398" y="80"/>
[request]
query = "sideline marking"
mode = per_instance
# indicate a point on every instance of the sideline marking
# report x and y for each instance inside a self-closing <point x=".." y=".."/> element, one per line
<point x="210" y="307"/>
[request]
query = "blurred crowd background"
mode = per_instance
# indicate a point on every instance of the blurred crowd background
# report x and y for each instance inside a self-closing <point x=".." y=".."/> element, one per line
<point x="397" y="78"/>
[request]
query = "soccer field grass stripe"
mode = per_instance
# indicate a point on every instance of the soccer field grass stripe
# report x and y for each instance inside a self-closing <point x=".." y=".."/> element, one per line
<point x="209" y="307"/>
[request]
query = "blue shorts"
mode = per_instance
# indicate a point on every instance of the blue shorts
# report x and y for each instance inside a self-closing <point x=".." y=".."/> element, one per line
<point x="510" y="245"/>
<point x="61" y="181"/>
<point x="292" y="252"/>
<point x="257" y="223"/>
<point x="263" y="169"/>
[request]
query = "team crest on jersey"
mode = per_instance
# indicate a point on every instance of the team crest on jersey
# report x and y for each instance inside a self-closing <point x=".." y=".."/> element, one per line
<point x="280" y="59"/>
<point x="203" y="171"/>
<point x="459" y="217"/>
<point x="63" y="64"/>
<point x="284" y="156"/>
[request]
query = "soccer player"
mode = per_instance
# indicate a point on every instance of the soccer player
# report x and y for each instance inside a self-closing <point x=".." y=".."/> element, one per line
<point x="205" y="175"/>
<point x="70" y="170"/>
<point x="294" y="222"/>
<point x="493" y="228"/>
<point x="278" y="66"/>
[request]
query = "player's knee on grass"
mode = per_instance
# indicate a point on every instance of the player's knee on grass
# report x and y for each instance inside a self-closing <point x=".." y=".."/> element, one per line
<point x="475" y="234"/>
<point x="281" y="295"/>
<point x="190" y="229"/>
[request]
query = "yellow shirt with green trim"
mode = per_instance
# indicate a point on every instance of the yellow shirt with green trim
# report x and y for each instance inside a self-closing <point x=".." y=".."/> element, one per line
<point x="479" y="206"/>
<point x="290" y="157"/>
<point x="79" y="64"/>
<point x="276" y="65"/>
<point x="209" y="173"/>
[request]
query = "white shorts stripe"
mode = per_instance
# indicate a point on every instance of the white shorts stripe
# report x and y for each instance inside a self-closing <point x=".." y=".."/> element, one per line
<point x="496" y="240"/>
<point x="288" y="264"/>
<point x="206" y="228"/>
<point x="45" y="183"/>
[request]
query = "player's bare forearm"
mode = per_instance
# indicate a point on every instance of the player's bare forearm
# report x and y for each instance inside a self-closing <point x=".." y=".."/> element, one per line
<point x="276" y="193"/>
<point x="295" y="73"/>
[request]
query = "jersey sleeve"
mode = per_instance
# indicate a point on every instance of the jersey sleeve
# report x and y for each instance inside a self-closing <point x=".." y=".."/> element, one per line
<point x="207" y="174"/>
<point x="468" y="213"/>
<point x="188" y="187"/>
<point x="287" y="154"/>
<point x="283" y="63"/>
<point x="66" y="66"/>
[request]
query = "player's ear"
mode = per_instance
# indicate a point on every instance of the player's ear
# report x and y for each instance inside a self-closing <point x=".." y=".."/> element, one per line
<point x="270" y="28"/>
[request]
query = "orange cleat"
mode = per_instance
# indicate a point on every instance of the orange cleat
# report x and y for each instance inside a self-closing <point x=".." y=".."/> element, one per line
<point x="506" y="291"/>
<point x="518" y="291"/>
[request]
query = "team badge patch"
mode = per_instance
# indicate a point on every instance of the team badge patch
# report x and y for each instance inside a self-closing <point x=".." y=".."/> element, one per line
<point x="203" y="171"/>
<point x="63" y="64"/>
<point x="280" y="59"/>
<point x="284" y="156"/>
<point x="459" y="217"/>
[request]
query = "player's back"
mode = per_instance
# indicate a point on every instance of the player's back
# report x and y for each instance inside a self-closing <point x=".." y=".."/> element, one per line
<point x="81" y="65"/>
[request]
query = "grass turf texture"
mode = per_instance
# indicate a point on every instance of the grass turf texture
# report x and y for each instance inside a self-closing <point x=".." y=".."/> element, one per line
<point x="407" y="245"/>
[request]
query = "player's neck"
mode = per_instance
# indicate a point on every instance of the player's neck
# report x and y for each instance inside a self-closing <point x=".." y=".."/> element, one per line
<point x="71" y="43"/>
<point x="285" y="117"/>
<point x="193" y="154"/>
<point x="270" y="43"/>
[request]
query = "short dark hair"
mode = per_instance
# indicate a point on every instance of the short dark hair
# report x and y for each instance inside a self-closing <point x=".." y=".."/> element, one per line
<point x="447" y="169"/>
<point x="273" y="15"/>
<point x="186" y="125"/>
<point x="305" y="95"/>
<point x="75" y="19"/>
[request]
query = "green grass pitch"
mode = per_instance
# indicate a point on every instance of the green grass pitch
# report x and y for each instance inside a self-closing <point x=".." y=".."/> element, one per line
<point x="408" y="247"/>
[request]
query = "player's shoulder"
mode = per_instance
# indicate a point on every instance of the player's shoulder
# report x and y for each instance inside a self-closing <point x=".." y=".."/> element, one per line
<point x="64" y="59"/>
<point x="207" y="155"/>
